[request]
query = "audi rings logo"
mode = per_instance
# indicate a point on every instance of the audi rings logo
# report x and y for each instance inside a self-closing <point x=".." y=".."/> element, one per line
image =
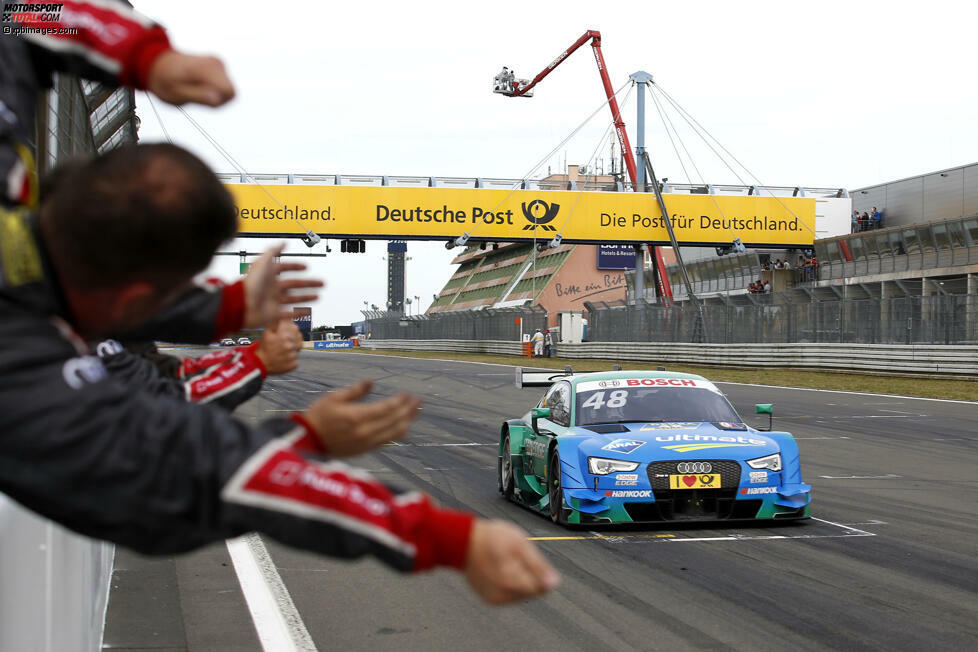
<point x="609" y="383"/>
<point x="694" y="467"/>
<point x="539" y="213"/>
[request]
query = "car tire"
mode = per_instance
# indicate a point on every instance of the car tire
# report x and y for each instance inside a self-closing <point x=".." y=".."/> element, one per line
<point x="555" y="489"/>
<point x="505" y="475"/>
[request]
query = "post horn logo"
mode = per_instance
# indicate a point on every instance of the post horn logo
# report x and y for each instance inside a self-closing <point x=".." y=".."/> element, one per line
<point x="539" y="213"/>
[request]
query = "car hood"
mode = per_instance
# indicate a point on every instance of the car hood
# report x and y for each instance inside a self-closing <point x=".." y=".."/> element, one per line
<point x="669" y="441"/>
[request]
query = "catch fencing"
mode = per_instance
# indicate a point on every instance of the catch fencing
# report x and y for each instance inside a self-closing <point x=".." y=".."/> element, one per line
<point x="504" y="324"/>
<point x="772" y="319"/>
<point x="936" y="319"/>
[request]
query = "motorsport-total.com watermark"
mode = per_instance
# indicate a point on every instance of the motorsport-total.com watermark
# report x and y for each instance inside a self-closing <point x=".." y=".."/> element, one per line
<point x="25" y="18"/>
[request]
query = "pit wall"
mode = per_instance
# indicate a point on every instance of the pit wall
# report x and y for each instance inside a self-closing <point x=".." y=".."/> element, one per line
<point x="54" y="585"/>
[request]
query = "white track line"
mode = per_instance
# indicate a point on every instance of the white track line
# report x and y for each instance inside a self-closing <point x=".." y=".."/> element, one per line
<point x="845" y="527"/>
<point x="277" y="621"/>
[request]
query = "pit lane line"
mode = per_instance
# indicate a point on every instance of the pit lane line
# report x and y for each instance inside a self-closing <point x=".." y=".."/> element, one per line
<point x="273" y="613"/>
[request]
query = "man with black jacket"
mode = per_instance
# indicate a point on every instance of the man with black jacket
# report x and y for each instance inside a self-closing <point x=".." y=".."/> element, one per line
<point x="158" y="474"/>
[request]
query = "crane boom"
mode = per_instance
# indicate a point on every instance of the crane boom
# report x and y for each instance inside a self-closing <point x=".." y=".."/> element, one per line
<point x="507" y="84"/>
<point x="522" y="88"/>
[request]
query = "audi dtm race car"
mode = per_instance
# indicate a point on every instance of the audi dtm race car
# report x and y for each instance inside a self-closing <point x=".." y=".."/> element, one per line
<point x="641" y="446"/>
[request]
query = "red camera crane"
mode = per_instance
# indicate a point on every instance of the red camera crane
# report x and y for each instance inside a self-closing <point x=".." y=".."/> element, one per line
<point x="507" y="84"/>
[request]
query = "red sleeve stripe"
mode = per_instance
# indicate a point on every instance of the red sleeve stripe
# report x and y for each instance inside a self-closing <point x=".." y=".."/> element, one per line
<point x="120" y="10"/>
<point x="221" y="380"/>
<point x="277" y="479"/>
<point x="194" y="365"/>
<point x="309" y="442"/>
<point x="111" y="36"/>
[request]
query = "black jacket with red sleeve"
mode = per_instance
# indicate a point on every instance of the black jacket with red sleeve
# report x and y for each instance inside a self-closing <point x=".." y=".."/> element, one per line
<point x="156" y="473"/>
<point x="227" y="378"/>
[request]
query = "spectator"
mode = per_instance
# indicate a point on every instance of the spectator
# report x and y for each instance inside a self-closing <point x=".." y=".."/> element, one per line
<point x="864" y="222"/>
<point x="877" y="218"/>
<point x="159" y="474"/>
<point x="767" y="287"/>
<point x="855" y="221"/>
<point x="548" y="342"/>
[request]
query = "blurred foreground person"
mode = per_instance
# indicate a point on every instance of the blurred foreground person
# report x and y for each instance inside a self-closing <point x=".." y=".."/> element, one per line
<point x="109" y="43"/>
<point x="116" y="240"/>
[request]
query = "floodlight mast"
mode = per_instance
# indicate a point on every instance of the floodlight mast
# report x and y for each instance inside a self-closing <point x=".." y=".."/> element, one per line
<point x="506" y="83"/>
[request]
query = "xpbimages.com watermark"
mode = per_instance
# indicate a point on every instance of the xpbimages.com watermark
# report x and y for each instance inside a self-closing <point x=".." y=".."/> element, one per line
<point x="25" y="18"/>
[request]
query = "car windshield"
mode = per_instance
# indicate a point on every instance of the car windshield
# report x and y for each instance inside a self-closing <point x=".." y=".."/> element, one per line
<point x="651" y="404"/>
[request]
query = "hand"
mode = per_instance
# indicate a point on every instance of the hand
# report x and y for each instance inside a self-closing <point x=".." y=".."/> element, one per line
<point x="265" y="292"/>
<point x="347" y="428"/>
<point x="180" y="78"/>
<point x="279" y="347"/>
<point x="503" y="567"/>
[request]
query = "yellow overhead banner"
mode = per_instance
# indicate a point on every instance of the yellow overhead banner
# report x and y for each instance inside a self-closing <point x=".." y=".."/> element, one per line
<point x="394" y="213"/>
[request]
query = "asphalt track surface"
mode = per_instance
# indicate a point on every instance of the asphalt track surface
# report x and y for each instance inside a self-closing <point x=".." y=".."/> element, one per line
<point x="889" y="561"/>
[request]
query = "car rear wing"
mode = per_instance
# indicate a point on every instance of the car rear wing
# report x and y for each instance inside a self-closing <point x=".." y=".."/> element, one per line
<point x="540" y="377"/>
<point x="547" y="377"/>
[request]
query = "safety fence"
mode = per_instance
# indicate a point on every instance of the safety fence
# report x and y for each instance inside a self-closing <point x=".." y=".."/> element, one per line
<point x="935" y="319"/>
<point x="491" y="324"/>
<point x="854" y="358"/>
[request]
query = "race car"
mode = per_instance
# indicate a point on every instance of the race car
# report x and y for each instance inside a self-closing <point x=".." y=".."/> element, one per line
<point x="227" y="341"/>
<point x="643" y="447"/>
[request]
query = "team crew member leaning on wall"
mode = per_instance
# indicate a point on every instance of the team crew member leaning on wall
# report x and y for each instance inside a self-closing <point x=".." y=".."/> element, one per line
<point x="125" y="466"/>
<point x="163" y="475"/>
<point x="227" y="377"/>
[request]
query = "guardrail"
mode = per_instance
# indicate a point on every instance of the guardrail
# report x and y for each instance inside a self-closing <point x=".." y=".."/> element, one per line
<point x="54" y="584"/>
<point x="953" y="361"/>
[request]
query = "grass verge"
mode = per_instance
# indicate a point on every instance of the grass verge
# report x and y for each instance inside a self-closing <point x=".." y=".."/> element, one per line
<point x="964" y="390"/>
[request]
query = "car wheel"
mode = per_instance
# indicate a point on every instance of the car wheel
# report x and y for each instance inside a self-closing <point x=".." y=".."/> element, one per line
<point x="555" y="489"/>
<point x="506" y="482"/>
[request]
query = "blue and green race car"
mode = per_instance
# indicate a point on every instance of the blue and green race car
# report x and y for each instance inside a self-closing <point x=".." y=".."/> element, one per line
<point x="645" y="446"/>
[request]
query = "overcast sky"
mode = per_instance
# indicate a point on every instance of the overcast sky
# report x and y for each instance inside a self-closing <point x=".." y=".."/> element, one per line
<point x="831" y="94"/>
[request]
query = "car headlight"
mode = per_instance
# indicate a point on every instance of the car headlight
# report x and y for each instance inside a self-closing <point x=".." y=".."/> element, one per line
<point x="769" y="462"/>
<point x="602" y="466"/>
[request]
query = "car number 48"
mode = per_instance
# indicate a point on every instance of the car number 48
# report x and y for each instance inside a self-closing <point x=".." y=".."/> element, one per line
<point x="616" y="399"/>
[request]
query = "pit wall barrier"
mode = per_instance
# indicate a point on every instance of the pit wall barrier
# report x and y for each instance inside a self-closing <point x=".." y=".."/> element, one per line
<point x="883" y="359"/>
<point x="54" y="585"/>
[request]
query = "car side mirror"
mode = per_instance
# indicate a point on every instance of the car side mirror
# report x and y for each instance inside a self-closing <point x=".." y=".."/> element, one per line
<point x="538" y="413"/>
<point x="768" y="409"/>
